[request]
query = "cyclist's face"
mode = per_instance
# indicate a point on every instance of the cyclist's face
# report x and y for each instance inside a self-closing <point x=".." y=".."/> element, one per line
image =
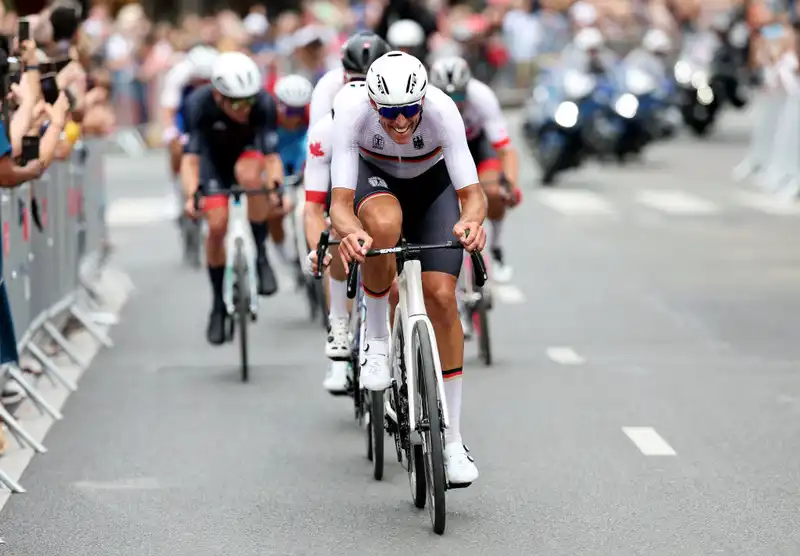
<point x="290" y="117"/>
<point x="237" y="109"/>
<point x="400" y="122"/>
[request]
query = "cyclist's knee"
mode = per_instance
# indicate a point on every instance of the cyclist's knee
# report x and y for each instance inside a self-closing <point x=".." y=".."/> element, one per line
<point x="394" y="294"/>
<point x="439" y="290"/>
<point x="217" y="224"/>
<point x="382" y="219"/>
<point x="248" y="172"/>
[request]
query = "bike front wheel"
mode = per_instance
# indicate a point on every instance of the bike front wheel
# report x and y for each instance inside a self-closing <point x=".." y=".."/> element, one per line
<point x="375" y="432"/>
<point x="242" y="307"/>
<point x="430" y="424"/>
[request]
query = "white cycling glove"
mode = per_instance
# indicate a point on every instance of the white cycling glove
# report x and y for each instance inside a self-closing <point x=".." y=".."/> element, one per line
<point x="308" y="262"/>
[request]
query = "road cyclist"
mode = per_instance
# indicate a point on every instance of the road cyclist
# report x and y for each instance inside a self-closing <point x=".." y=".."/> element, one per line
<point x="232" y="140"/>
<point x="398" y="171"/>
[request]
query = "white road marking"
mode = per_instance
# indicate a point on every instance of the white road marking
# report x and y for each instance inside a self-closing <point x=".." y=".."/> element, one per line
<point x="140" y="211"/>
<point x="576" y="202"/>
<point x="143" y="483"/>
<point x="508" y="294"/>
<point x="673" y="201"/>
<point x="565" y="356"/>
<point x="649" y="441"/>
<point x="767" y="203"/>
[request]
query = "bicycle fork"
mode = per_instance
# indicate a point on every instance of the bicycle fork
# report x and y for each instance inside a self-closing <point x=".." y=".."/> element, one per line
<point x="239" y="236"/>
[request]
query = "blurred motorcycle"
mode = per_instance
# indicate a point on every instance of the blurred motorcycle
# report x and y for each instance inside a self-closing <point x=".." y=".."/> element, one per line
<point x="567" y="120"/>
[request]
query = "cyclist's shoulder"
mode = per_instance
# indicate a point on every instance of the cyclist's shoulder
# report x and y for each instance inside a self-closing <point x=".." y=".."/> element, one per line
<point x="351" y="100"/>
<point x="478" y="91"/>
<point x="200" y="101"/>
<point x="439" y="103"/>
<point x="330" y="79"/>
<point x="264" y="108"/>
<point x="321" y="128"/>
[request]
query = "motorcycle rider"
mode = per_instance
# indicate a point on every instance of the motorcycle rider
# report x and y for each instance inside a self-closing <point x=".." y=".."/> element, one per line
<point x="651" y="56"/>
<point x="588" y="52"/>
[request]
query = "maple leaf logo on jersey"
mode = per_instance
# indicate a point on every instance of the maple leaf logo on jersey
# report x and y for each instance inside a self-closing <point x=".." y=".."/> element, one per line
<point x="316" y="149"/>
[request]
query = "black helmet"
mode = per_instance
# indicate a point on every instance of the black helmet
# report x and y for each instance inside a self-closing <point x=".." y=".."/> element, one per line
<point x="361" y="50"/>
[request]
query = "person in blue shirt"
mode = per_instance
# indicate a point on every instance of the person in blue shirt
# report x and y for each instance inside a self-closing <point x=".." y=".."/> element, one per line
<point x="293" y="98"/>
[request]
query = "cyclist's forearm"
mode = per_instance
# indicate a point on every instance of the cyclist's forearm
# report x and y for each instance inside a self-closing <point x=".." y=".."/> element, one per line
<point x="343" y="218"/>
<point x="190" y="174"/>
<point x="314" y="220"/>
<point x="510" y="162"/>
<point x="473" y="203"/>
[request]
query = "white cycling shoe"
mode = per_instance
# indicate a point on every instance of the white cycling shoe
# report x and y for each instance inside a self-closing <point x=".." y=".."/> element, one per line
<point x="374" y="373"/>
<point x="459" y="466"/>
<point x="336" y="379"/>
<point x="501" y="273"/>
<point x="337" y="344"/>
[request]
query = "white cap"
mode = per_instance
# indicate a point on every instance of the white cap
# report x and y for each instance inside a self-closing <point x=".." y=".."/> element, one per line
<point x="256" y="24"/>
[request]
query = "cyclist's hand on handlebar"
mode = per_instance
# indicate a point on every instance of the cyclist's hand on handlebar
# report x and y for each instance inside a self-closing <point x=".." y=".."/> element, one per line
<point x="471" y="235"/>
<point x="351" y="250"/>
<point x="189" y="208"/>
<point x="514" y="197"/>
<point x="310" y="265"/>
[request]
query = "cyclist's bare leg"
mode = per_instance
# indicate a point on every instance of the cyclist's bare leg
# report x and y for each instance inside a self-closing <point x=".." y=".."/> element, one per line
<point x="248" y="171"/>
<point x="217" y="217"/>
<point x="495" y="213"/>
<point x="382" y="219"/>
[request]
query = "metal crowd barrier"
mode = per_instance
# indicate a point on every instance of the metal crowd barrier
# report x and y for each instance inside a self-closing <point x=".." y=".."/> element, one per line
<point x="53" y="235"/>
<point x="773" y="159"/>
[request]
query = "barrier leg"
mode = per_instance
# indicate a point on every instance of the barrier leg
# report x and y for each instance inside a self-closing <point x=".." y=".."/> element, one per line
<point x="90" y="326"/>
<point x="19" y="433"/>
<point x="10" y="483"/>
<point x="50" y="367"/>
<point x="41" y="404"/>
<point x="64" y="344"/>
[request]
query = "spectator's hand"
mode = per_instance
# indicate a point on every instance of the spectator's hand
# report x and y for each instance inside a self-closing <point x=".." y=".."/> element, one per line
<point x="58" y="111"/>
<point x="35" y="167"/>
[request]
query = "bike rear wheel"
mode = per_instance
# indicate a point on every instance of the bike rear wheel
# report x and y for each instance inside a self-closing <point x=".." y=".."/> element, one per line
<point x="242" y="307"/>
<point x="430" y="425"/>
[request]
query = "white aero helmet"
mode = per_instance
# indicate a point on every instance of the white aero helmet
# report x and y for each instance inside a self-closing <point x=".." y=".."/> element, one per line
<point x="236" y="75"/>
<point x="589" y="38"/>
<point x="450" y="74"/>
<point x="294" y="90"/>
<point x="656" y="40"/>
<point x="396" y="79"/>
<point x="405" y="33"/>
<point x="202" y="59"/>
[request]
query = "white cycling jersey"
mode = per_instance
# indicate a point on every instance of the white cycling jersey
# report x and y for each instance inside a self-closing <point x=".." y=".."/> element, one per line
<point x="325" y="91"/>
<point x="174" y="82"/>
<point x="482" y="114"/>
<point x="440" y="134"/>
<point x="318" y="161"/>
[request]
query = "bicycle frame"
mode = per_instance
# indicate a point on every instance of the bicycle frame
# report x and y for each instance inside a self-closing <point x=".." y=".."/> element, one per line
<point x="239" y="232"/>
<point x="411" y="310"/>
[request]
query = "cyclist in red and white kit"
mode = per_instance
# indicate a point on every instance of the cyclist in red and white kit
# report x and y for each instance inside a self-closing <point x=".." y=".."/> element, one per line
<point x="489" y="144"/>
<point x="358" y="53"/>
<point x="397" y="169"/>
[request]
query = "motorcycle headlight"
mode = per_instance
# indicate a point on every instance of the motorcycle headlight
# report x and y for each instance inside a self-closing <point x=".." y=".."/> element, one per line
<point x="626" y="106"/>
<point x="699" y="79"/>
<point x="577" y="84"/>
<point x="683" y="72"/>
<point x="566" y="114"/>
<point x="639" y="83"/>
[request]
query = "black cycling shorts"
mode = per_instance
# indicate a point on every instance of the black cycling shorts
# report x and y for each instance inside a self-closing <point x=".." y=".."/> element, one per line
<point x="483" y="154"/>
<point x="430" y="210"/>
<point x="218" y="174"/>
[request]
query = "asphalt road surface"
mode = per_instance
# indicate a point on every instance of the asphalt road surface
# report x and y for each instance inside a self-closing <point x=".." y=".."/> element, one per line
<point x="645" y="398"/>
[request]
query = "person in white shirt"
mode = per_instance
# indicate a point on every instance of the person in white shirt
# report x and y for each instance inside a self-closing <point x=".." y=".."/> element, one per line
<point x="489" y="145"/>
<point x="398" y="171"/>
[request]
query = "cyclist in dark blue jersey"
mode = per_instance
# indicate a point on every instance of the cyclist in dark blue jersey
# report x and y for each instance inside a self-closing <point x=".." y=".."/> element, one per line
<point x="293" y="97"/>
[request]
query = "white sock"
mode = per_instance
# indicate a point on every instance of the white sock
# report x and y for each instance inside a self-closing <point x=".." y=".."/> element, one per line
<point x="497" y="234"/>
<point x="338" y="291"/>
<point x="377" y="321"/>
<point x="452" y="394"/>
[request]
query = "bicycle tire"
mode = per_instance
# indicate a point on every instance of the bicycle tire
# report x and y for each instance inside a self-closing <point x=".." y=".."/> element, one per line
<point x="375" y="431"/>
<point x="322" y="306"/>
<point x="430" y="411"/>
<point x="242" y="308"/>
<point x="416" y="469"/>
<point x="484" y="337"/>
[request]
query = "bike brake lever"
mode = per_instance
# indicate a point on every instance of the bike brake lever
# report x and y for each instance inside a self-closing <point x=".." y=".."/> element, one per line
<point x="479" y="269"/>
<point x="352" y="277"/>
<point x="322" y="247"/>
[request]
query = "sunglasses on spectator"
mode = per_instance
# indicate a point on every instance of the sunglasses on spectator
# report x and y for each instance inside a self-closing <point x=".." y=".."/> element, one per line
<point x="237" y="103"/>
<point x="292" y="111"/>
<point x="392" y="112"/>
